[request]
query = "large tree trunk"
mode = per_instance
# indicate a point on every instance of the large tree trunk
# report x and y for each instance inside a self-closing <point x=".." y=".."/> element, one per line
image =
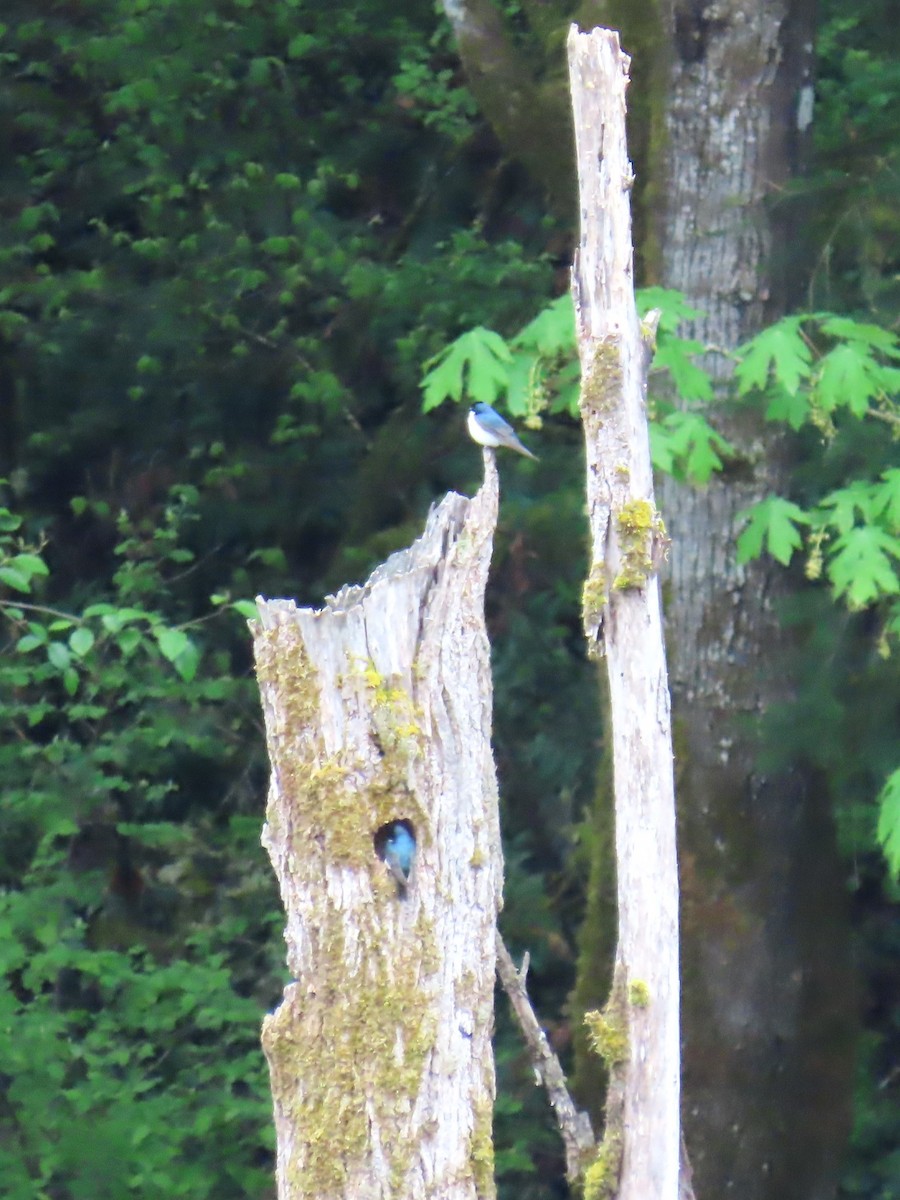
<point x="378" y="711"/>
<point x="768" y="1003"/>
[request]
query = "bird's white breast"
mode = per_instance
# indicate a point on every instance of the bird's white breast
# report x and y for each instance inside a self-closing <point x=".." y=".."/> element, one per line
<point x="479" y="434"/>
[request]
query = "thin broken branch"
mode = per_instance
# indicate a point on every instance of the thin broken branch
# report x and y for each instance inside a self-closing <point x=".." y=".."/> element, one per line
<point x="574" y="1125"/>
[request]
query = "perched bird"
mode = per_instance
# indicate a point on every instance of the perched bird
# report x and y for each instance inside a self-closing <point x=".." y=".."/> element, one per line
<point x="399" y="849"/>
<point x="488" y="428"/>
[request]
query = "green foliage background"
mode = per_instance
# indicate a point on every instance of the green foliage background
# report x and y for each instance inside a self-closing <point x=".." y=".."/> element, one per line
<point x="234" y="238"/>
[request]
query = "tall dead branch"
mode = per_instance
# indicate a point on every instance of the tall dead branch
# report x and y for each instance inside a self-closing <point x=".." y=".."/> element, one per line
<point x="638" y="1031"/>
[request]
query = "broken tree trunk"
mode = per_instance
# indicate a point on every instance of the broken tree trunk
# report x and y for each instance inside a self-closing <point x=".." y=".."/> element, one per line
<point x="378" y="712"/>
<point x="638" y="1031"/>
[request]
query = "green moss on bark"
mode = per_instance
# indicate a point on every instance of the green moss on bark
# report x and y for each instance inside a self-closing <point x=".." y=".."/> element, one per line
<point x="601" y="1178"/>
<point x="594" y="596"/>
<point x="638" y="994"/>
<point x="639" y="526"/>
<point x="608" y="1032"/>
<point x="609" y="1035"/>
<point x="481" y="1152"/>
<point x="601" y="383"/>
<point x="348" y="1048"/>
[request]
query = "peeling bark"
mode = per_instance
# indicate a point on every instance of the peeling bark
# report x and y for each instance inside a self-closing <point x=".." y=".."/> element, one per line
<point x="378" y="710"/>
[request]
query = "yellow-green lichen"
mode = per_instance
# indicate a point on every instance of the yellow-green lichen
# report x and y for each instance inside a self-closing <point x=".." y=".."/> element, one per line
<point x="608" y="1028"/>
<point x="601" y="1179"/>
<point x="601" y="382"/>
<point x="639" y="526"/>
<point x="594" y="596"/>
<point x="481" y="1151"/>
<point x="394" y="715"/>
<point x="350" y="1048"/>
<point x="381" y="787"/>
<point x="349" y="1045"/>
<point x="323" y="808"/>
<point x="608" y="1036"/>
<point x="638" y="994"/>
<point x="284" y="670"/>
<point x="332" y="803"/>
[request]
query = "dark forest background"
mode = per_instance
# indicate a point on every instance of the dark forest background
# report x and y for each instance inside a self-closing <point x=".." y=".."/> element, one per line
<point x="234" y="236"/>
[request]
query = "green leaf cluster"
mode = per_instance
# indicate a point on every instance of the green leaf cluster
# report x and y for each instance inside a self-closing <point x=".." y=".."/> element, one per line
<point x="228" y="242"/>
<point x="830" y="373"/>
<point x="129" y="998"/>
<point x="231" y="234"/>
<point x="838" y="378"/>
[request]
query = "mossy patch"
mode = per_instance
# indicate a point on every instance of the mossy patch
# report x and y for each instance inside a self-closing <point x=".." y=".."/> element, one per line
<point x="601" y="382"/>
<point x="481" y="1151"/>
<point x="348" y="1047"/>
<point x="601" y="1179"/>
<point x="393" y="711"/>
<point x="594" y="596"/>
<point x="349" y="1051"/>
<point x="608" y="1034"/>
<point x="639" y="526"/>
<point x="638" y="994"/>
<point x="335" y="801"/>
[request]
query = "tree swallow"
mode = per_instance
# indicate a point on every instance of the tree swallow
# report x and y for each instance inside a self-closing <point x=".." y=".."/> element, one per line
<point x="399" y="849"/>
<point x="488" y="428"/>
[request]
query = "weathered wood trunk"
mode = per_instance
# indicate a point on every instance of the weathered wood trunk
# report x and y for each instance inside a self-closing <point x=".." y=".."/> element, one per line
<point x="623" y="619"/>
<point x="378" y="710"/>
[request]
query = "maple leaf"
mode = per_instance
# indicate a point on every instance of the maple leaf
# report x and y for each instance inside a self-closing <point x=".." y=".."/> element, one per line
<point x="780" y="352"/>
<point x="860" y="566"/>
<point x="477" y="364"/>
<point x="771" y="525"/>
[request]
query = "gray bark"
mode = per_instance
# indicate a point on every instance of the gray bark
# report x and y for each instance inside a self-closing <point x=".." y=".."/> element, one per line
<point x="378" y="709"/>
<point x="638" y="1033"/>
<point x="768" y="1000"/>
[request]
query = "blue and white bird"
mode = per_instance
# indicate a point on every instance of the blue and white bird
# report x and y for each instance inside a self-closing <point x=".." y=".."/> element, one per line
<point x="399" y="851"/>
<point x="488" y="428"/>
